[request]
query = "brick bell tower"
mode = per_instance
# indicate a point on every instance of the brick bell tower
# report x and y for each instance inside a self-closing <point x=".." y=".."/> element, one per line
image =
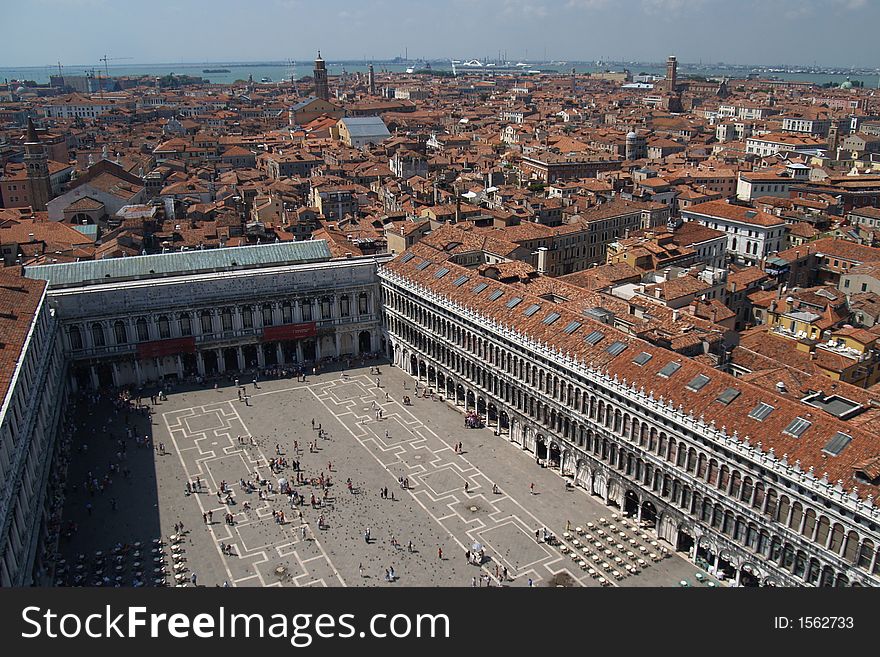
<point x="322" y="89"/>
<point x="36" y="161"/>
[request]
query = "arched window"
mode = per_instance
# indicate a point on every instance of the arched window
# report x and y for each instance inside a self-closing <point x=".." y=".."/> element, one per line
<point x="119" y="332"/>
<point x="185" y="325"/>
<point x="143" y="331"/>
<point x="98" y="335"/>
<point x="363" y="303"/>
<point x="164" y="327"/>
<point x="206" y="323"/>
<point x="75" y="336"/>
<point x="866" y="554"/>
<point x="822" y="532"/>
<point x="247" y="317"/>
<point x="267" y="314"/>
<point x="344" y="306"/>
<point x="226" y="319"/>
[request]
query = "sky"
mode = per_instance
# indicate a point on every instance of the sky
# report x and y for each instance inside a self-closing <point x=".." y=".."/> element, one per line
<point x="826" y="32"/>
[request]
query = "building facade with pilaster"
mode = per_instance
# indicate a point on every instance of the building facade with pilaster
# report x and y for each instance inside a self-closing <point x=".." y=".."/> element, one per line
<point x="769" y="490"/>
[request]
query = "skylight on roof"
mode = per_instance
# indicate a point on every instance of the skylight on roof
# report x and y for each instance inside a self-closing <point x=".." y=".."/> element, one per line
<point x="514" y="302"/>
<point x="595" y="338"/>
<point x="728" y="396"/>
<point x="495" y="294"/>
<point x="461" y="280"/>
<point x="616" y="348"/>
<point x="669" y="369"/>
<point x="642" y="358"/>
<point x="440" y="273"/>
<point x="479" y="287"/>
<point x="531" y="310"/>
<point x="407" y="257"/>
<point x="837" y="443"/>
<point x="571" y="327"/>
<point x="552" y="317"/>
<point x="423" y="265"/>
<point x="698" y="382"/>
<point x="761" y="411"/>
<point x="797" y="426"/>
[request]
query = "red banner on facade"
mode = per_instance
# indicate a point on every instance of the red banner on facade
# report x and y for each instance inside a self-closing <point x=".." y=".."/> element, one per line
<point x="289" y="332"/>
<point x="160" y="348"/>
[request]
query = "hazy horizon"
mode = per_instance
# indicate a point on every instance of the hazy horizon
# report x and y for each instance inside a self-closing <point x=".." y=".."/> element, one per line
<point x="744" y="33"/>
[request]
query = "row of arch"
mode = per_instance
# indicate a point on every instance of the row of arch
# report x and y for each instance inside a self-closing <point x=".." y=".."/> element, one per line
<point x="764" y="503"/>
<point x="145" y="328"/>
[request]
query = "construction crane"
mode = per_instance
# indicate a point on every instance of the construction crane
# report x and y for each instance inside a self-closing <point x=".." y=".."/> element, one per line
<point x="106" y="59"/>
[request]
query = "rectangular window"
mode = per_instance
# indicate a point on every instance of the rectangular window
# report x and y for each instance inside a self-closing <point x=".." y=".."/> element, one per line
<point x="642" y="358"/>
<point x="616" y="348"/>
<point x="594" y="338"/>
<point x="797" y="427"/>
<point x="728" y="396"/>
<point x="698" y="382"/>
<point x="307" y="311"/>
<point x="761" y="411"/>
<point x="837" y="443"/>
<point x="669" y="369"/>
<point x="531" y="310"/>
<point x="513" y="303"/>
<point x="551" y="318"/>
<point x="571" y="327"/>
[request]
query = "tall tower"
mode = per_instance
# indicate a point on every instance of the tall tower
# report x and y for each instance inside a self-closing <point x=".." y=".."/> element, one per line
<point x="37" y="163"/>
<point x="371" y="80"/>
<point x="671" y="74"/>
<point x="833" y="131"/>
<point x="631" y="139"/>
<point x="322" y="90"/>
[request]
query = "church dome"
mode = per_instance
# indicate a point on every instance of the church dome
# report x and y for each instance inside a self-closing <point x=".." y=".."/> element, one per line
<point x="631" y="136"/>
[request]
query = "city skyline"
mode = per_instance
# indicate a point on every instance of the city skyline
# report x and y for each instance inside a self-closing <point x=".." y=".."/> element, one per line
<point x="573" y="30"/>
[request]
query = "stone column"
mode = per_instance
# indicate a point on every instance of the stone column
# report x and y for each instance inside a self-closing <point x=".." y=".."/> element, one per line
<point x="299" y="351"/>
<point x="200" y="363"/>
<point x="240" y="357"/>
<point x="317" y="348"/>
<point x="336" y="340"/>
<point x="93" y="376"/>
<point x="115" y="367"/>
<point x="279" y="353"/>
<point x="180" y="373"/>
<point x="261" y="356"/>
<point x="221" y="362"/>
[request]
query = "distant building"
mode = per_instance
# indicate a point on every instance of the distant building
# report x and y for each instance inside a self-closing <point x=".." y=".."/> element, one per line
<point x="360" y="131"/>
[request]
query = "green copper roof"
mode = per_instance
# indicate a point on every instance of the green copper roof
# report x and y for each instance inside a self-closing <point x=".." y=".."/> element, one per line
<point x="180" y="263"/>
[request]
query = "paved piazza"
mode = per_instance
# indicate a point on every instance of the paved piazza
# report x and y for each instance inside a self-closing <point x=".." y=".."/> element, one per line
<point x="200" y="429"/>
